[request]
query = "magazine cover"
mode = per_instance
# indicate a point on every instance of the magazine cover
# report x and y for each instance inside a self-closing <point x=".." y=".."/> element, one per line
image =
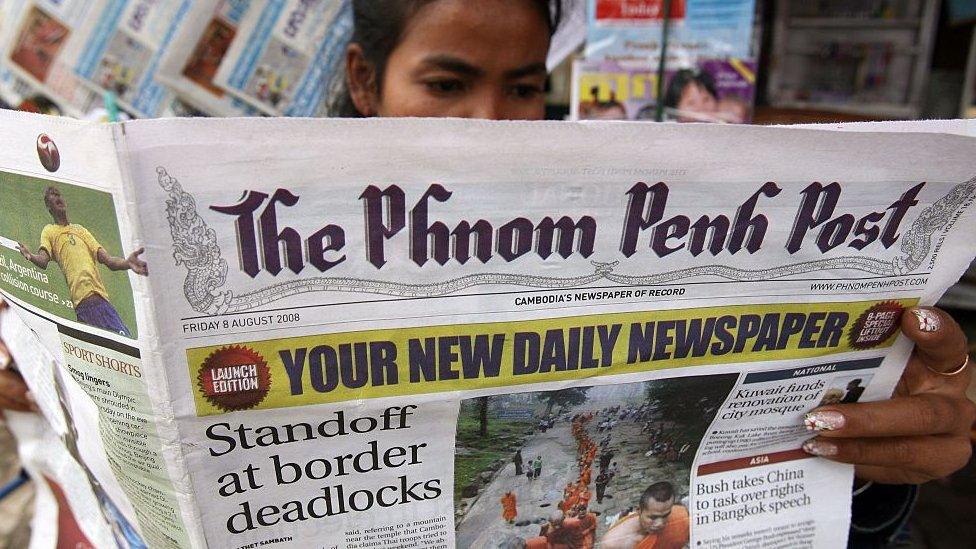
<point x="634" y="29"/>
<point x="713" y="90"/>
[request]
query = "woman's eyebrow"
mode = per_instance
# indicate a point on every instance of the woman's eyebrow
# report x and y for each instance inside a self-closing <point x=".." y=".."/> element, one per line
<point x="533" y="69"/>
<point x="452" y="64"/>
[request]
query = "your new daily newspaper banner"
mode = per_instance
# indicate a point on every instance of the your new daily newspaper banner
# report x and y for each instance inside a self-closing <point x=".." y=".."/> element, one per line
<point x="444" y="333"/>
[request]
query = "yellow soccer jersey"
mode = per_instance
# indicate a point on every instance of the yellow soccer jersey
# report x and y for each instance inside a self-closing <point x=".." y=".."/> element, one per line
<point x="76" y="251"/>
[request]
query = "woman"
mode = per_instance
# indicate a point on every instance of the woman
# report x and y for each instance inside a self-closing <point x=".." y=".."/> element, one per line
<point x="13" y="390"/>
<point x="457" y="58"/>
<point x="449" y="59"/>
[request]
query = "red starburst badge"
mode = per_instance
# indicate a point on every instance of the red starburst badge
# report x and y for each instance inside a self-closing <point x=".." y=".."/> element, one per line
<point x="234" y="378"/>
<point x="876" y="325"/>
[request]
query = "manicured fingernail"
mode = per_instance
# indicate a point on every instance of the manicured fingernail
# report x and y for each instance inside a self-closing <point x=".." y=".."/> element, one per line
<point x="824" y="421"/>
<point x="927" y="320"/>
<point x="5" y="359"/>
<point x="819" y="447"/>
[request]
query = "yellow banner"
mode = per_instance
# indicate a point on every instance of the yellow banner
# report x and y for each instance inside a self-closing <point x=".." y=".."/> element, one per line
<point x="326" y="368"/>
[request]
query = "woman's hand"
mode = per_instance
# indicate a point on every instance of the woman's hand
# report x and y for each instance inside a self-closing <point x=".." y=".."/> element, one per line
<point x="922" y="432"/>
<point x="13" y="390"/>
<point x="13" y="393"/>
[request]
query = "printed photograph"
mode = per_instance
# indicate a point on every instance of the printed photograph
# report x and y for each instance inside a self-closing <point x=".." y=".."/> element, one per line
<point x="845" y="389"/>
<point x="582" y="467"/>
<point x="714" y="91"/>
<point x="38" y="44"/>
<point x="276" y="75"/>
<point x="64" y="255"/>
<point x="122" y="67"/>
<point x="207" y="55"/>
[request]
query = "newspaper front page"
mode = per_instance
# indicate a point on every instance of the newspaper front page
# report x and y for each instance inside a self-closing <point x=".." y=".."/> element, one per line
<point x="444" y="333"/>
<point x="286" y="54"/>
<point x="191" y="62"/>
<point x="119" y="47"/>
<point x="35" y="59"/>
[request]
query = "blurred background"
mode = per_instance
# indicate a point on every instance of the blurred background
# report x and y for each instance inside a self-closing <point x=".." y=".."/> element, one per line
<point x="719" y="61"/>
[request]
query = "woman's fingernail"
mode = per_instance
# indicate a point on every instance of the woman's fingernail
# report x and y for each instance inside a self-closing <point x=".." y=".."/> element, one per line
<point x="827" y="420"/>
<point x="818" y="447"/>
<point x="927" y="320"/>
<point x="5" y="359"/>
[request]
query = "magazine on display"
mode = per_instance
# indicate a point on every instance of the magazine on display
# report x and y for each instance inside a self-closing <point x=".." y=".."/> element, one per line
<point x="35" y="53"/>
<point x="191" y="62"/>
<point x="715" y="90"/>
<point x="285" y="56"/>
<point x="634" y="29"/>
<point x="443" y="333"/>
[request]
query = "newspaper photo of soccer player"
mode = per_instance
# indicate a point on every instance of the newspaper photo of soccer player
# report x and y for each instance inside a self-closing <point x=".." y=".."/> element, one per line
<point x="64" y="254"/>
<point x="582" y="467"/>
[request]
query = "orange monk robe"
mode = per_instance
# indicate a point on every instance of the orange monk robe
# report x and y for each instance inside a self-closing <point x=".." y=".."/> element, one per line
<point x="584" y="498"/>
<point x="570" y="502"/>
<point x="674" y="536"/>
<point x="509" y="508"/>
<point x="589" y="524"/>
<point x="569" y="535"/>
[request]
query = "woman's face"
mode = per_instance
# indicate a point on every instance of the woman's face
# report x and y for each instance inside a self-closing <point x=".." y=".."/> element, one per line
<point x="468" y="59"/>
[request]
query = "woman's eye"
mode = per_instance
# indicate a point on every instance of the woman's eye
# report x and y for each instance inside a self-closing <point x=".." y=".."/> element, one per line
<point x="445" y="86"/>
<point x="526" y="91"/>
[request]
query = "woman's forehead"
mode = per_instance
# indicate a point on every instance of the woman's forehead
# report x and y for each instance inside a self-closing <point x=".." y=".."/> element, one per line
<point x="482" y="33"/>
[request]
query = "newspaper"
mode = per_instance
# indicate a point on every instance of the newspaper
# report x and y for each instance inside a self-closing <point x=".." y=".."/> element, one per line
<point x="570" y="33"/>
<point x="191" y="62"/>
<point x="287" y="55"/>
<point x="118" y="47"/>
<point x="36" y="38"/>
<point x="482" y="340"/>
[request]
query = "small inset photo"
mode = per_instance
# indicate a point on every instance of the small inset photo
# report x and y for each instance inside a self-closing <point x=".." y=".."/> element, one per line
<point x="604" y="466"/>
<point x="845" y="389"/>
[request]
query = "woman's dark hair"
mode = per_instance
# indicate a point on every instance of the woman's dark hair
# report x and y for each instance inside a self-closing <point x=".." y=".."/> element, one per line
<point x="378" y="28"/>
<point x="681" y="79"/>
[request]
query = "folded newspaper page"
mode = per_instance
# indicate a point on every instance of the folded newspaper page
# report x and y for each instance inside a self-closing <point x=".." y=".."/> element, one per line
<point x="286" y="54"/>
<point x="195" y="53"/>
<point x="443" y="333"/>
<point x="35" y="53"/>
<point x="118" y="48"/>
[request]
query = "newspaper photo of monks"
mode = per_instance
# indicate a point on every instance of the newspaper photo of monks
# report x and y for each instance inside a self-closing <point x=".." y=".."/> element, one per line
<point x="64" y="254"/>
<point x="582" y="467"/>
